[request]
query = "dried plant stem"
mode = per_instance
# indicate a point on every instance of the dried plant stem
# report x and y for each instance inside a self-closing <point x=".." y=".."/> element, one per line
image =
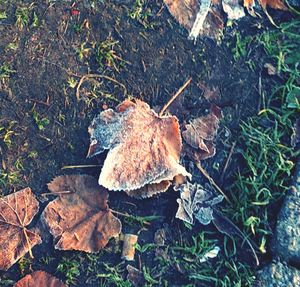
<point x="228" y="160"/>
<point x="92" y="76"/>
<point x="80" y="166"/>
<point x="181" y="89"/>
<point x="212" y="182"/>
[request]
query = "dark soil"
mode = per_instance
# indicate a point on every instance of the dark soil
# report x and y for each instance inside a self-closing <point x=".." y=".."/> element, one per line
<point x="157" y="61"/>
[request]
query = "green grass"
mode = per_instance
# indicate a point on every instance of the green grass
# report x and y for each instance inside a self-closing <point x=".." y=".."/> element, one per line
<point x="141" y="13"/>
<point x="265" y="139"/>
<point x="5" y="71"/>
<point x="70" y="268"/>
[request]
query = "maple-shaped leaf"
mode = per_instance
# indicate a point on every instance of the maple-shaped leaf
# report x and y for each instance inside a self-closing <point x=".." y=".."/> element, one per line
<point x="144" y="148"/>
<point x="198" y="17"/>
<point x="80" y="219"/>
<point x="16" y="212"/>
<point x="200" y="134"/>
<point x="39" y="279"/>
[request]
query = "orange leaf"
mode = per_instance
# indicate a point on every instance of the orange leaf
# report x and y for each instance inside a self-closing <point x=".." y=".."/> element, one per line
<point x="39" y="279"/>
<point x="16" y="212"/>
<point x="81" y="219"/>
<point x="144" y="148"/>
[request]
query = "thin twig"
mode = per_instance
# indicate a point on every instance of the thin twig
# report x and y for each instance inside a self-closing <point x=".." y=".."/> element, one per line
<point x="181" y="89"/>
<point x="212" y="182"/>
<point x="91" y="76"/>
<point x="228" y="160"/>
<point x="80" y="166"/>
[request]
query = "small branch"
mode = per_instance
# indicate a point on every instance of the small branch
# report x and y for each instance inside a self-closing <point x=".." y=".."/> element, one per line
<point x="212" y="182"/>
<point x="181" y="89"/>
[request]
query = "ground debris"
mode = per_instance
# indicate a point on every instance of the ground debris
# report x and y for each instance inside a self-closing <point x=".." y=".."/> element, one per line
<point x="196" y="202"/>
<point x="200" y="133"/>
<point x="128" y="251"/>
<point x="80" y="219"/>
<point x="39" y="279"/>
<point x="135" y="276"/>
<point x="16" y="212"/>
<point x="144" y="149"/>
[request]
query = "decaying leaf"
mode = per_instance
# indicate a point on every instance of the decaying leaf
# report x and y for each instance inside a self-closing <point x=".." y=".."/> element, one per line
<point x="135" y="276"/>
<point x="128" y="250"/>
<point x="39" y="279"/>
<point x="233" y="9"/>
<point x="144" y="149"/>
<point x="80" y="219"/>
<point x="16" y="212"/>
<point x="200" y="134"/>
<point x="196" y="202"/>
<point x="198" y="17"/>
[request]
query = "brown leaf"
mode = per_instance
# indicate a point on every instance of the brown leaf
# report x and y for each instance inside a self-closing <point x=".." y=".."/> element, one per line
<point x="275" y="4"/>
<point x="149" y="190"/>
<point x="200" y="134"/>
<point x="144" y="149"/>
<point x="199" y="18"/>
<point x="80" y="220"/>
<point x="16" y="212"/>
<point x="39" y="279"/>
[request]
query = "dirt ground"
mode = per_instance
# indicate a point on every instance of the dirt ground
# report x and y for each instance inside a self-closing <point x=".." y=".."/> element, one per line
<point x="48" y="55"/>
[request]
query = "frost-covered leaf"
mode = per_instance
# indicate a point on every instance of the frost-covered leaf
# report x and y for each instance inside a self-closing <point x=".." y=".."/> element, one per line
<point x="233" y="9"/>
<point x="200" y="134"/>
<point x="144" y="148"/>
<point x="80" y="219"/>
<point x="196" y="202"/>
<point x="39" y="279"/>
<point x="16" y="212"/>
<point x="198" y="17"/>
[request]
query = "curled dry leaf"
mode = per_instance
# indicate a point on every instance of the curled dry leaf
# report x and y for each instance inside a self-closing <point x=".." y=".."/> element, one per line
<point x="128" y="251"/>
<point x="196" y="202"/>
<point x="198" y="17"/>
<point x="39" y="279"/>
<point x="144" y="149"/>
<point x="200" y="134"/>
<point x="80" y="219"/>
<point x="16" y="212"/>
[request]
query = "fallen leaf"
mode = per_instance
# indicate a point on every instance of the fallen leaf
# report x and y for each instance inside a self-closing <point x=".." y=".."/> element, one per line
<point x="128" y="250"/>
<point x="200" y="134"/>
<point x="275" y="4"/>
<point x="16" y="212"/>
<point x="233" y="9"/>
<point x="135" y="276"/>
<point x="149" y="190"/>
<point x="144" y="148"/>
<point x="199" y="18"/>
<point x="39" y="279"/>
<point x="80" y="219"/>
<point x="196" y="202"/>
